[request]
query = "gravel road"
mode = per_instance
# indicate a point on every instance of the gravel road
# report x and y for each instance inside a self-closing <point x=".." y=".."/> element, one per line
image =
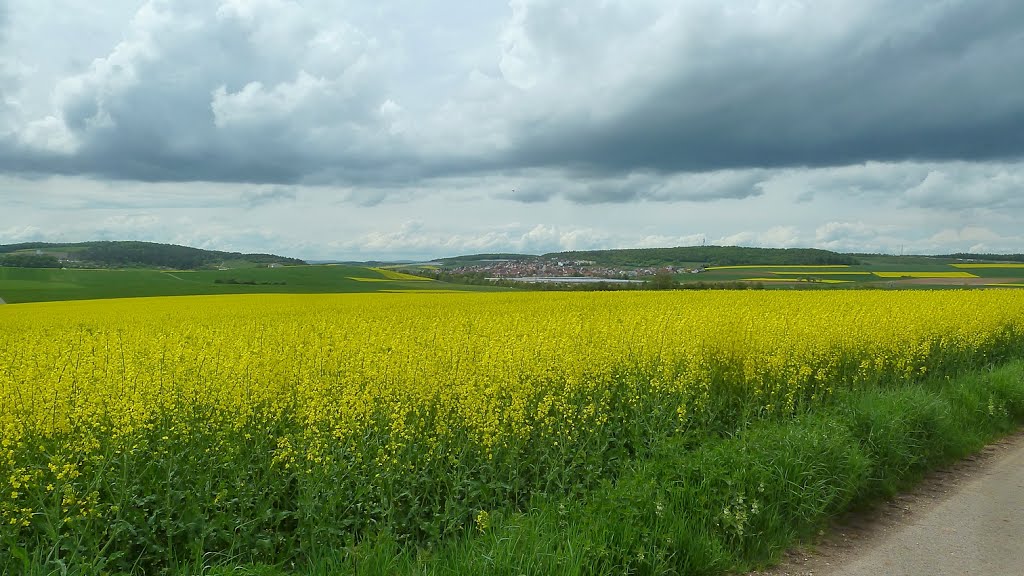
<point x="966" y="520"/>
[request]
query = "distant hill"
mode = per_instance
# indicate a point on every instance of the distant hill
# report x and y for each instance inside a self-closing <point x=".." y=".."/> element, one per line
<point x="652" y="257"/>
<point x="709" y="255"/>
<point x="129" y="254"/>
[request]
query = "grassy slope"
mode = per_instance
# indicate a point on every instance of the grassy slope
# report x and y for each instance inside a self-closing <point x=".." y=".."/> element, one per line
<point x="40" y="285"/>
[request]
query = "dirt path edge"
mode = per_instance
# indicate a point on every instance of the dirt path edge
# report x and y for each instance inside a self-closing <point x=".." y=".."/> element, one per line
<point x="857" y="540"/>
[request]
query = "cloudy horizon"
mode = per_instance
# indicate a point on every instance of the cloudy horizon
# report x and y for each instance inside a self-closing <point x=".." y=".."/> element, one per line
<point x="412" y="130"/>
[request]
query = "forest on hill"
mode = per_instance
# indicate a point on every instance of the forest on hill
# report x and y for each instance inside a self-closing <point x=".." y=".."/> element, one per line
<point x="987" y="257"/>
<point x="708" y="255"/>
<point x="113" y="254"/>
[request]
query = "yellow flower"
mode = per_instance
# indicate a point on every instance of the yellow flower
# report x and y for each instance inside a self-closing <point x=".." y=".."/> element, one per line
<point x="483" y="521"/>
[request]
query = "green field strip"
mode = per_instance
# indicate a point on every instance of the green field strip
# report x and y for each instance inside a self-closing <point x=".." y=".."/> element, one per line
<point x="766" y="267"/>
<point x="795" y="280"/>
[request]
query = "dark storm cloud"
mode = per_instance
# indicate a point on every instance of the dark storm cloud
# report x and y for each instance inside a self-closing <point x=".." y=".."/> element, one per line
<point x="8" y="84"/>
<point x="947" y="86"/>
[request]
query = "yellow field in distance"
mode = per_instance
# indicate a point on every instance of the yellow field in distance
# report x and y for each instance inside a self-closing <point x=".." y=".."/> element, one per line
<point x="826" y="273"/>
<point x="393" y="275"/>
<point x="924" y="275"/>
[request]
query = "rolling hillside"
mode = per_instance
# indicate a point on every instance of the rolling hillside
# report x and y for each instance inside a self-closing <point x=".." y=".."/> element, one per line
<point x="130" y="255"/>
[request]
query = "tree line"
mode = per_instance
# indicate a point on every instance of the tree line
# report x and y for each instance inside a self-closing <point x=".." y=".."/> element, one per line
<point x="29" y="261"/>
<point x="708" y="255"/>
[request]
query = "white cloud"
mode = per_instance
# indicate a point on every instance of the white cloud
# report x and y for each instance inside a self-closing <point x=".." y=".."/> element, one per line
<point x="255" y="104"/>
<point x="17" y="234"/>
<point x="977" y="239"/>
<point x="774" y="237"/>
<point x="780" y="237"/>
<point x="860" y="236"/>
<point x="962" y="185"/>
<point x="50" y="134"/>
<point x="212" y="89"/>
<point x="131" y="225"/>
<point x="417" y="239"/>
<point x="964" y="235"/>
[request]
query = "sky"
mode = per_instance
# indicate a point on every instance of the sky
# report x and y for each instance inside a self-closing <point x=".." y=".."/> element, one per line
<point x="414" y="129"/>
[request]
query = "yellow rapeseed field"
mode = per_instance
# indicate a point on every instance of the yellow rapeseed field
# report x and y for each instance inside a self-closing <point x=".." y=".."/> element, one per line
<point x="925" y="275"/>
<point x="405" y="408"/>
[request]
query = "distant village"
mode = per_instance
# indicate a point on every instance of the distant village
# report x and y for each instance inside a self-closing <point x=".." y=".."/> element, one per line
<point x="507" y="269"/>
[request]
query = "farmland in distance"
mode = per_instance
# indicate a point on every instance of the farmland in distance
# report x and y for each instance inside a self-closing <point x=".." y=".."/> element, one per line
<point x="51" y="284"/>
